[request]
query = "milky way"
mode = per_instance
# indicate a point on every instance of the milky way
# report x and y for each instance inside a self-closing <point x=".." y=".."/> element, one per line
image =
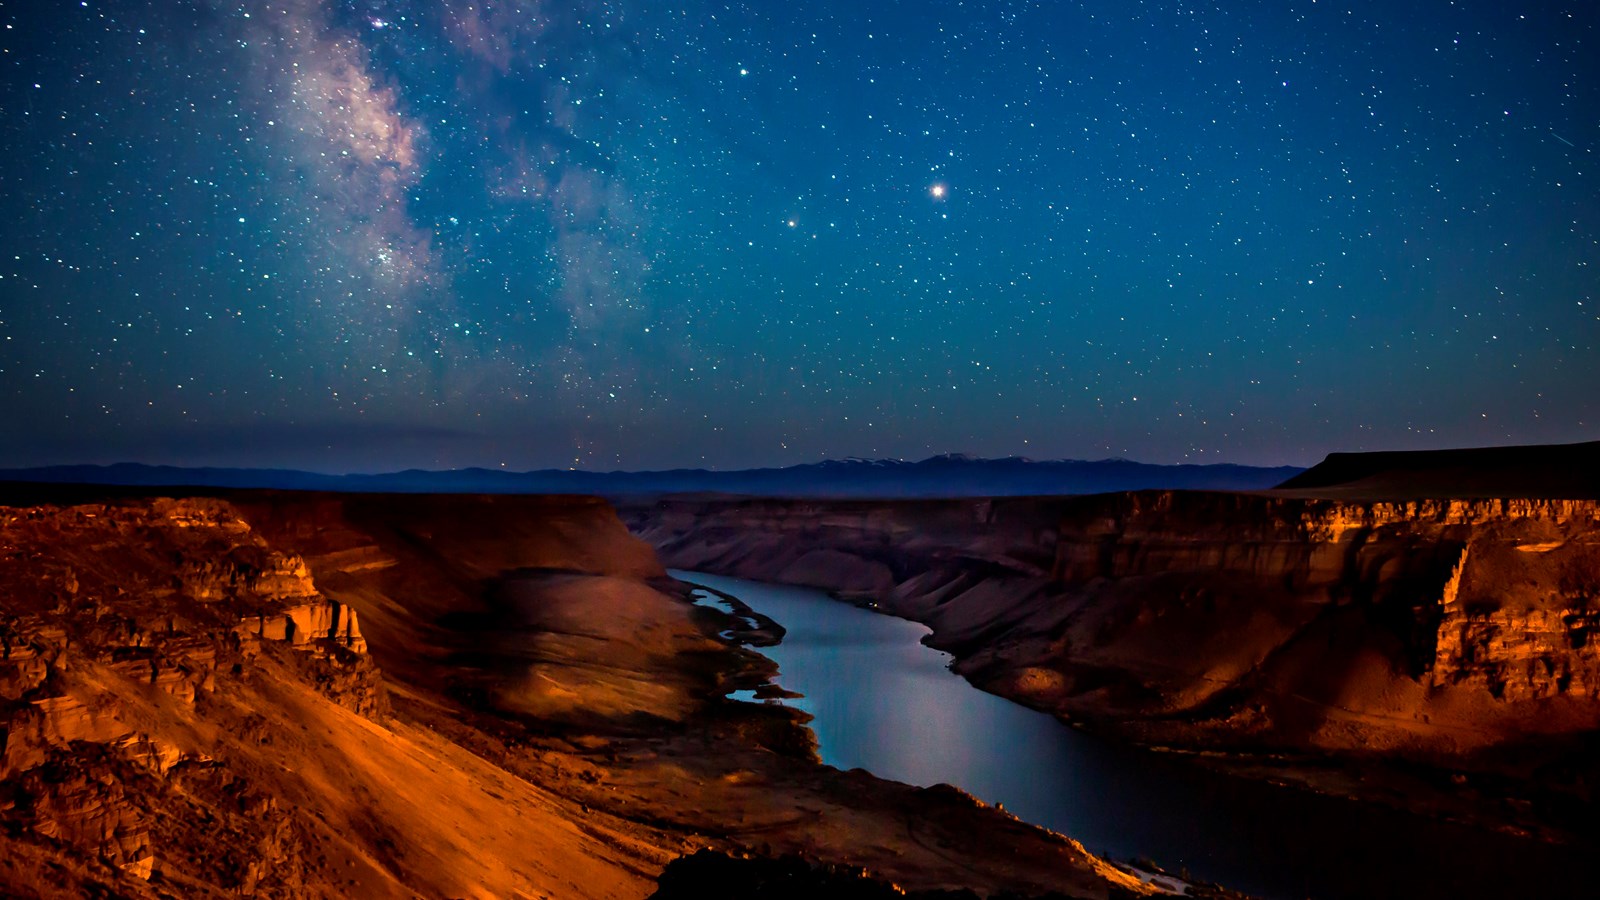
<point x="367" y="235"/>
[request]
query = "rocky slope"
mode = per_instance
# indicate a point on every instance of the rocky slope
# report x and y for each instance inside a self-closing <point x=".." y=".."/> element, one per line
<point x="1454" y="633"/>
<point x="300" y="695"/>
<point x="133" y="639"/>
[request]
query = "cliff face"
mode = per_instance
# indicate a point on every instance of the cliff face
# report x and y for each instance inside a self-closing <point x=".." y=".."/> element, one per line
<point x="1433" y="629"/>
<point x="128" y="631"/>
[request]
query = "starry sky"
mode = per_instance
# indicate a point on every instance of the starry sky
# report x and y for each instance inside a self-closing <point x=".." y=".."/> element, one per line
<point x="371" y="234"/>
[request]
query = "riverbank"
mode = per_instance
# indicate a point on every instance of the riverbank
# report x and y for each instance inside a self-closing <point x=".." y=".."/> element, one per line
<point x="921" y="723"/>
<point x="1431" y="655"/>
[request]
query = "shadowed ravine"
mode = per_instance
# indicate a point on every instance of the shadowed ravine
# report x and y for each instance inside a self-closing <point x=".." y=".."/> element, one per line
<point x="886" y="703"/>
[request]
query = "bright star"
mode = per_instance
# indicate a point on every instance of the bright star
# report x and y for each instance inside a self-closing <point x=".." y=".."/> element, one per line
<point x="938" y="191"/>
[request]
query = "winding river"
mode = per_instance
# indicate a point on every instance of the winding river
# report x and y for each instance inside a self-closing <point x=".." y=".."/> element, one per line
<point x="884" y="702"/>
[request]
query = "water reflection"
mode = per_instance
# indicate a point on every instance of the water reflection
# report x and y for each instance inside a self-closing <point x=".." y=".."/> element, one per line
<point x="885" y="703"/>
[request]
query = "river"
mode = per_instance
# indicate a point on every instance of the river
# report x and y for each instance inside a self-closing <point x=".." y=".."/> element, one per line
<point x="884" y="702"/>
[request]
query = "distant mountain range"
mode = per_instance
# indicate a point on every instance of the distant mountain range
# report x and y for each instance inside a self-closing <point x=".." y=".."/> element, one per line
<point x="939" y="476"/>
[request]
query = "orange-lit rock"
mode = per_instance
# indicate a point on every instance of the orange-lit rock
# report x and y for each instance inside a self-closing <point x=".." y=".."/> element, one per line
<point x="185" y="699"/>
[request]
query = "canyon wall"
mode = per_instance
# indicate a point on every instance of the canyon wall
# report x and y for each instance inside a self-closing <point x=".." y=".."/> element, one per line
<point x="1438" y="630"/>
<point x="313" y="695"/>
<point x="187" y="710"/>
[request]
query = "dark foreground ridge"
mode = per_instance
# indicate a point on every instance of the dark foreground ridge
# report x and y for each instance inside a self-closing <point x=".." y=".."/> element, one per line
<point x="709" y="875"/>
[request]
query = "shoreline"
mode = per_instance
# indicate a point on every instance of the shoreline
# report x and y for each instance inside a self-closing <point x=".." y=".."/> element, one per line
<point x="1187" y="778"/>
<point x="1402" y="785"/>
<point x="1203" y="624"/>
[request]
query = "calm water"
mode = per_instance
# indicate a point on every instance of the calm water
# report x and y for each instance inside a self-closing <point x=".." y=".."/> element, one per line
<point x="886" y="703"/>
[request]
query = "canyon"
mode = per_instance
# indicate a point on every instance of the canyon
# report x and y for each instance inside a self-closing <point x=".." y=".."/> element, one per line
<point x="218" y="692"/>
<point x="303" y="695"/>
<point x="1435" y="654"/>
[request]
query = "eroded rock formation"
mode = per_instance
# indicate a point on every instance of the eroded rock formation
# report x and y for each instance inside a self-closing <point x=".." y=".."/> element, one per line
<point x="1434" y="629"/>
<point x="121" y="623"/>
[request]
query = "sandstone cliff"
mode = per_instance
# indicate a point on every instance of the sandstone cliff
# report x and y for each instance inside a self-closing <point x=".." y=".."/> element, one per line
<point x="128" y="632"/>
<point x="1435" y="630"/>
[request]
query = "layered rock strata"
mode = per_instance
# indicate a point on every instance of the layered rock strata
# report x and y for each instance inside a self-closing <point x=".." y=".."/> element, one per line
<point x="118" y="624"/>
<point x="1429" y="629"/>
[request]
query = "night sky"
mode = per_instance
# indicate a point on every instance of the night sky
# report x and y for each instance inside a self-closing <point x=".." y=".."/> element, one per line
<point x="360" y="236"/>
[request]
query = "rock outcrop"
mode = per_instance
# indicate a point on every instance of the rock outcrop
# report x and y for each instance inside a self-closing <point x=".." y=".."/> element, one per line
<point x="121" y="624"/>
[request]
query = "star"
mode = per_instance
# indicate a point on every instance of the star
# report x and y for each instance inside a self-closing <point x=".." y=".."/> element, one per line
<point x="554" y="183"/>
